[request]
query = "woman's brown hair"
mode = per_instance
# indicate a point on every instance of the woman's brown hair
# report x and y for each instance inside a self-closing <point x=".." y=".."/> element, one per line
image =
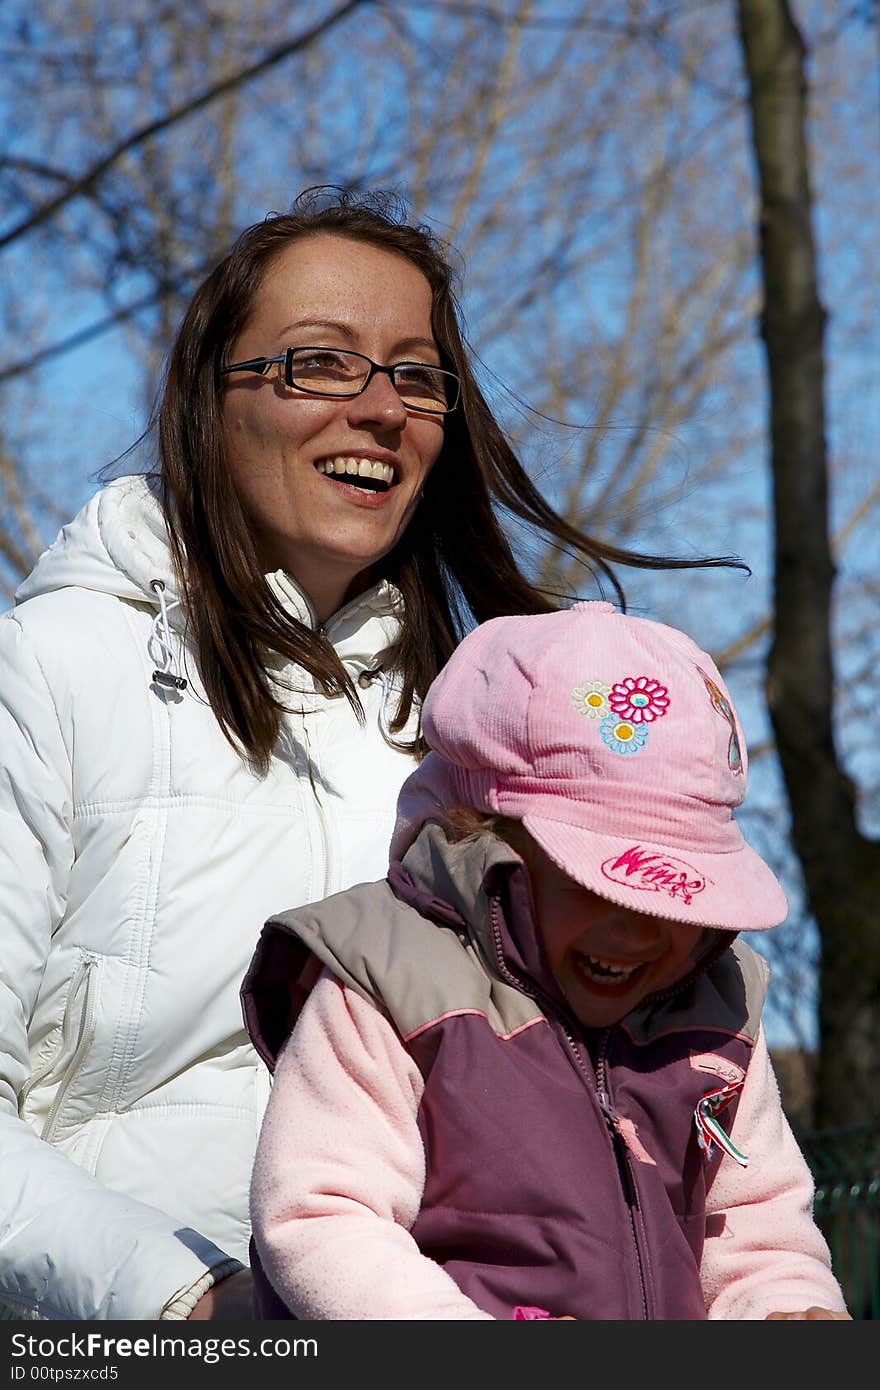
<point x="454" y="565"/>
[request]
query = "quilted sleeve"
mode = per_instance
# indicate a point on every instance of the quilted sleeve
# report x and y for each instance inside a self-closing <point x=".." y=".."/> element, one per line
<point x="70" y="1248"/>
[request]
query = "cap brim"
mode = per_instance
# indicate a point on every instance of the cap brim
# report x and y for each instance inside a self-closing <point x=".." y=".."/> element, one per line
<point x="734" y="891"/>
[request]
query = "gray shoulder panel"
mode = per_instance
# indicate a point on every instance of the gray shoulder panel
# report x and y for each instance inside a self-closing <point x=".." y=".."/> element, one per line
<point x="415" y="970"/>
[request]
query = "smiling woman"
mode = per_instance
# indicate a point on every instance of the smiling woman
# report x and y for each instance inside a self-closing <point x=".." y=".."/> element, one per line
<point x="210" y="692"/>
<point x="329" y="456"/>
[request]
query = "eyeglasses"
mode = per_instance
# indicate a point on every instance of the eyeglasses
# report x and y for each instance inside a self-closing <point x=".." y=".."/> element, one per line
<point x="323" y="371"/>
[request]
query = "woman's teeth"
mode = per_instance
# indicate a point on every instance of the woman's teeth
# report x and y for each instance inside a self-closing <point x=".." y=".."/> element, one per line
<point x="604" y="971"/>
<point x="352" y="467"/>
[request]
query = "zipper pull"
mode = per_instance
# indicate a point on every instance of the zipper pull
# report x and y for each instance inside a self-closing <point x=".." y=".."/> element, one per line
<point x="607" y="1109"/>
<point x="621" y="1150"/>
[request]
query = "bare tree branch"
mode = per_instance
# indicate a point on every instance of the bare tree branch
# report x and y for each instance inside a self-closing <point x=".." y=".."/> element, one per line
<point x="78" y="187"/>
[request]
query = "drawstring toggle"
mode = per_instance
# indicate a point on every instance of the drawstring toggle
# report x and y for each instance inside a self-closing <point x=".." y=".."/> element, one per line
<point x="169" y="681"/>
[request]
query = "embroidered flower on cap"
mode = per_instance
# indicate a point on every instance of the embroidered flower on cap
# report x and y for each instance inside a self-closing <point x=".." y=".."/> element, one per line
<point x="591" y="699"/>
<point x="640" y="699"/>
<point x="622" y="736"/>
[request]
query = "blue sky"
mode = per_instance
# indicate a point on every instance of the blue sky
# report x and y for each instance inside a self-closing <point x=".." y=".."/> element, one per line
<point x="79" y="410"/>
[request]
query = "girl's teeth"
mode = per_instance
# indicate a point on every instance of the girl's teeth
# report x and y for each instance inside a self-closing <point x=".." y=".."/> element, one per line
<point x="603" y="970"/>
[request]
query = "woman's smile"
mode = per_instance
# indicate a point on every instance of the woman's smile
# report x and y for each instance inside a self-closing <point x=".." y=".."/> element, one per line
<point x="360" y="471"/>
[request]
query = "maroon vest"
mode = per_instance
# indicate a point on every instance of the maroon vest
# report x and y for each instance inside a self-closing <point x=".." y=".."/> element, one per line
<point x="553" y="1179"/>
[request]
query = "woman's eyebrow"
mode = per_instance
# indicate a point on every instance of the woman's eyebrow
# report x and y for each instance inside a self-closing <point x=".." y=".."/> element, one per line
<point x="345" y="330"/>
<point x="338" y="327"/>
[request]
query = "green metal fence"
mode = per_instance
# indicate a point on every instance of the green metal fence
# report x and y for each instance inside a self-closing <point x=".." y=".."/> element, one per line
<point x="846" y="1166"/>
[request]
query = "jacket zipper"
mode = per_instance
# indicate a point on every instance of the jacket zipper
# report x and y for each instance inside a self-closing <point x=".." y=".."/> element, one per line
<point x="323" y="630"/>
<point x="335" y="618"/>
<point x="609" y="1114"/>
<point x="311" y="765"/>
<point x="318" y="809"/>
<point x="77" y="1032"/>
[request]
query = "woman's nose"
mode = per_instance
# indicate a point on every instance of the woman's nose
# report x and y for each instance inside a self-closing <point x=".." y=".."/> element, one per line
<point x="378" y="404"/>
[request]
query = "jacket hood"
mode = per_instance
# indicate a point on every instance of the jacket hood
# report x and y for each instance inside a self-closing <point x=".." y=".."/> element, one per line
<point x="481" y="881"/>
<point x="116" y="544"/>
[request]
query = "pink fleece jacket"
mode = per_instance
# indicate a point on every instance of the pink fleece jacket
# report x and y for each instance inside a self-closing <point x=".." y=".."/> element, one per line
<point x="340" y="1171"/>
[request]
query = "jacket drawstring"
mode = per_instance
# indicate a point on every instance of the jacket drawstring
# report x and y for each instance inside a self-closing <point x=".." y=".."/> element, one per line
<point x="167" y="673"/>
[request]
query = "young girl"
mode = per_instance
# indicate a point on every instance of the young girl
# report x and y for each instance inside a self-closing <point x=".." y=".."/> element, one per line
<point x="531" y="1080"/>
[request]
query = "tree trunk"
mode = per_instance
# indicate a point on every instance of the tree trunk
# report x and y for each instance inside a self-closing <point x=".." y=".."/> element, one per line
<point x="841" y="868"/>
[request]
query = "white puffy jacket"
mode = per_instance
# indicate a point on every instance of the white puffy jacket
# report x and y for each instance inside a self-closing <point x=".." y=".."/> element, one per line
<point x="139" y="858"/>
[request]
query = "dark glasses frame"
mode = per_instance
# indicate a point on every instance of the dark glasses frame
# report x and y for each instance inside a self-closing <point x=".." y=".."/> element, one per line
<point x="260" y="365"/>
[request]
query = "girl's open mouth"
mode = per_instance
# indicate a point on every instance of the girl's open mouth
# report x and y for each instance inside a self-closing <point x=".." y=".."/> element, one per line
<point x="605" y="976"/>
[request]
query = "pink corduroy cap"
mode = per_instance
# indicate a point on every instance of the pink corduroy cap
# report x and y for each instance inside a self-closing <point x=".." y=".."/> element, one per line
<point x="614" y="740"/>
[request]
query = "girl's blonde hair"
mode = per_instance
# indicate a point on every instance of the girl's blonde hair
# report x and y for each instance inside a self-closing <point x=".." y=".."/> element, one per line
<point x="463" y="821"/>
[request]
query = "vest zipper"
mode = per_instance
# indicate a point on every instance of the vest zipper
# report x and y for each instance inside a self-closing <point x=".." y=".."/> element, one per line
<point x="609" y="1114"/>
<point x="624" y="1165"/>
